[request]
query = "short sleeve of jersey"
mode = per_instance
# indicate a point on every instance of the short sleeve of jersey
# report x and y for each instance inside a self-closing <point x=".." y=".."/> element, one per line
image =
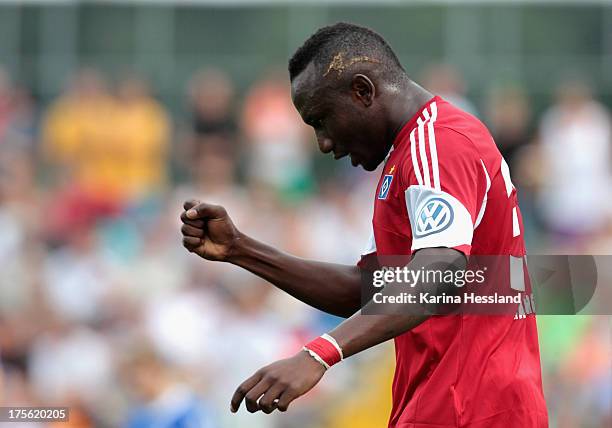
<point x="445" y="186"/>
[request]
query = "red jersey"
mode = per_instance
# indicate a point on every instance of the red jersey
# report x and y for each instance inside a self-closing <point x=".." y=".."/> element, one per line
<point x="445" y="184"/>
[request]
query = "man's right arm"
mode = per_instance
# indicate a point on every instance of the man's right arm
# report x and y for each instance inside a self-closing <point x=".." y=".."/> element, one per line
<point x="209" y="232"/>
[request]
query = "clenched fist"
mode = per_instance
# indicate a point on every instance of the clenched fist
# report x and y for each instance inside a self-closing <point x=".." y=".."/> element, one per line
<point x="208" y="231"/>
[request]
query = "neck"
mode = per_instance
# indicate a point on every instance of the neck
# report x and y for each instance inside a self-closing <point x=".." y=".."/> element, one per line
<point x="405" y="104"/>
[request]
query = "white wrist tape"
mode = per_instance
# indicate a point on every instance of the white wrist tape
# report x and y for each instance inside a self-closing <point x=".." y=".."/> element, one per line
<point x="333" y="342"/>
<point x="314" y="355"/>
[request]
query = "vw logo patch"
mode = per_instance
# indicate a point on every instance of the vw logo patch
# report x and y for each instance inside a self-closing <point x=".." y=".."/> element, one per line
<point x="434" y="216"/>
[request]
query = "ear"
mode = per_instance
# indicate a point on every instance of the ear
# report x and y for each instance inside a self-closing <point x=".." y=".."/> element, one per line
<point x="363" y="90"/>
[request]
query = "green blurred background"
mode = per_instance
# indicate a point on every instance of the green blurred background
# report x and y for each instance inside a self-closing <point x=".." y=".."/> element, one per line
<point x="489" y="42"/>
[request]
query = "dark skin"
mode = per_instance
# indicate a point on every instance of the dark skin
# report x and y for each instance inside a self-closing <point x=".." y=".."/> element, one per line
<point x="355" y="113"/>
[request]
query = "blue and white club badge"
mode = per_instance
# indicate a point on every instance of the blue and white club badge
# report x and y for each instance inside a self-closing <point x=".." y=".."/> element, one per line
<point x="434" y="216"/>
<point x="385" y="186"/>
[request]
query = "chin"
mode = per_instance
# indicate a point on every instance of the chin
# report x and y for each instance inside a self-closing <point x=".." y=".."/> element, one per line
<point x="371" y="165"/>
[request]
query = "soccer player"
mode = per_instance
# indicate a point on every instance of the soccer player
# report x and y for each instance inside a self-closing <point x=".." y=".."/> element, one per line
<point x="444" y="194"/>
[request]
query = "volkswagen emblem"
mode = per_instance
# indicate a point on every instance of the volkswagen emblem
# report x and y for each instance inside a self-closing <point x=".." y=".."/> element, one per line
<point x="434" y="216"/>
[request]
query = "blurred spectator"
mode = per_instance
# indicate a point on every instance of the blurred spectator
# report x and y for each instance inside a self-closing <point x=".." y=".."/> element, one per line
<point x="20" y="202"/>
<point x="116" y="146"/>
<point x="211" y="96"/>
<point x="166" y="401"/>
<point x="17" y="117"/>
<point x="446" y="81"/>
<point x="575" y="139"/>
<point x="69" y="361"/>
<point x="214" y="174"/>
<point x="185" y="326"/>
<point x="323" y="219"/>
<point x="78" y="128"/>
<point x="577" y="384"/>
<point x="508" y="119"/>
<point x="141" y="131"/>
<point x="77" y="277"/>
<point x="280" y="153"/>
<point x="212" y="114"/>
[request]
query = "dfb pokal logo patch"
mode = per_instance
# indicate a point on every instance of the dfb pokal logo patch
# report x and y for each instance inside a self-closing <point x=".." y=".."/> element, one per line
<point x="385" y="186"/>
<point x="435" y="215"/>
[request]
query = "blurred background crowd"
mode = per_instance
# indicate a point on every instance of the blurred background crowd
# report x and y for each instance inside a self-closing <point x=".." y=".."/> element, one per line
<point x="102" y="310"/>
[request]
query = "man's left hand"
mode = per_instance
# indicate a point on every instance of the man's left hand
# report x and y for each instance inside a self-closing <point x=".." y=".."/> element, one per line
<point x="278" y="384"/>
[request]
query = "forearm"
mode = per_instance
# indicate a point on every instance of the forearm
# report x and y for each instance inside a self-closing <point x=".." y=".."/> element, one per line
<point x="333" y="288"/>
<point x="361" y="332"/>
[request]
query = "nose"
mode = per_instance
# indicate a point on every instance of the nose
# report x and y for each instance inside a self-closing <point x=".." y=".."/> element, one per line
<point x="325" y="144"/>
